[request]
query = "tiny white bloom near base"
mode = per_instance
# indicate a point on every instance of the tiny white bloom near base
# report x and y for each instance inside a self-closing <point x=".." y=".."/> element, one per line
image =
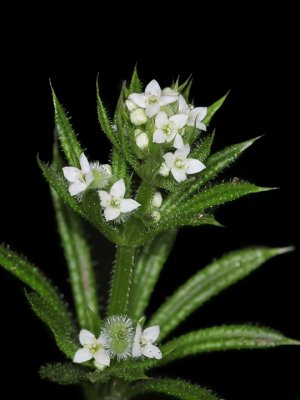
<point x="80" y="179"/>
<point x="157" y="200"/>
<point x="179" y="164"/>
<point x="143" y="342"/>
<point x="195" y="114"/>
<point x="138" y="117"/>
<point x="92" y="349"/>
<point x="114" y="203"/>
<point x="167" y="127"/>
<point x="141" y="139"/>
<point x="152" y="99"/>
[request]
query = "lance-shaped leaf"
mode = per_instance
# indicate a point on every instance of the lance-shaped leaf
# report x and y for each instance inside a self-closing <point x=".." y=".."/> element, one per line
<point x="135" y="84"/>
<point x="61" y="327"/>
<point x="64" y="374"/>
<point x="209" y="282"/>
<point x="118" y="164"/>
<point x="213" y="108"/>
<point x="220" y="338"/>
<point x="78" y="257"/>
<point x="105" y="121"/>
<point x="172" y="387"/>
<point x="150" y="262"/>
<point x="202" y="151"/>
<point x="32" y="277"/>
<point x="67" y="137"/>
<point x="215" y="164"/>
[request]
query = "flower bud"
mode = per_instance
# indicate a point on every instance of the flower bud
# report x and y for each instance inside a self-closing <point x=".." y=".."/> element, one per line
<point x="141" y="139"/>
<point x="130" y="105"/>
<point x="138" y="116"/>
<point x="164" y="170"/>
<point x="155" y="215"/>
<point x="157" y="200"/>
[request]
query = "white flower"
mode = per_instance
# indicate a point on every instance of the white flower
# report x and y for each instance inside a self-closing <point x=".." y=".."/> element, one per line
<point x="92" y="348"/>
<point x="179" y="164"/>
<point x="130" y="105"/>
<point x="152" y="99"/>
<point x="167" y="128"/>
<point x="141" y="139"/>
<point x="157" y="200"/>
<point x="114" y="203"/>
<point x="138" y="116"/>
<point x="143" y="342"/>
<point x="195" y="115"/>
<point x="79" y="178"/>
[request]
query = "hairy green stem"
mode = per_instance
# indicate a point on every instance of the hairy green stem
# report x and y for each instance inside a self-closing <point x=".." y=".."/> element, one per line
<point x="121" y="281"/>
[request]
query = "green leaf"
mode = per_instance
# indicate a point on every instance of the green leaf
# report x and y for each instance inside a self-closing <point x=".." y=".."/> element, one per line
<point x="119" y="165"/>
<point x="214" y="165"/>
<point x="32" y="277"/>
<point x="105" y="121"/>
<point x="135" y="84"/>
<point x="64" y="374"/>
<point x="234" y="337"/>
<point x="209" y="282"/>
<point x="202" y="151"/>
<point x="212" y="109"/>
<point x="150" y="262"/>
<point x="79" y="262"/>
<point x="172" y="387"/>
<point x="61" y="327"/>
<point x="67" y="137"/>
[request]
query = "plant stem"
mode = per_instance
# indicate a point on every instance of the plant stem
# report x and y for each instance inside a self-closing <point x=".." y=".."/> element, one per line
<point x="121" y="281"/>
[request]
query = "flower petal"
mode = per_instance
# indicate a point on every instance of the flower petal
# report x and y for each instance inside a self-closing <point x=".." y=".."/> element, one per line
<point x="183" y="151"/>
<point x="169" y="159"/>
<point x="161" y="119"/>
<point x="152" y="351"/>
<point x="85" y="166"/>
<point x="194" y="166"/>
<point x="199" y="113"/>
<point x="130" y="105"/>
<point x="105" y="198"/>
<point x="183" y="108"/>
<point x="152" y="110"/>
<point x="102" y="340"/>
<point x="77" y="187"/>
<point x="102" y="357"/>
<point x="178" y="174"/>
<point x="159" y="136"/>
<point x="118" y="189"/>
<point x="153" y="89"/>
<point x="111" y="213"/>
<point x="179" y="120"/>
<point x="71" y="173"/>
<point x="171" y="136"/>
<point x="82" y="355"/>
<point x="86" y="337"/>
<point x="164" y="100"/>
<point x="136" y="347"/>
<point x="138" y="98"/>
<point x="89" y="177"/>
<point x="178" y="142"/>
<point x="151" y="334"/>
<point x="128" y="205"/>
<point x="200" y="125"/>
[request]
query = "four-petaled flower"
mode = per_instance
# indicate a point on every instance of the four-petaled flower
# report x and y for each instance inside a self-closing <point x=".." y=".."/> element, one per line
<point x="114" y="203"/>
<point x="152" y="99"/>
<point x="195" y="114"/>
<point x="167" y="127"/>
<point x="79" y="178"/>
<point x="179" y="164"/>
<point x="92" y="348"/>
<point x="143" y="342"/>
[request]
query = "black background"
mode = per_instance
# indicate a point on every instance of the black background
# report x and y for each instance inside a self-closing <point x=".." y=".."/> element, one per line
<point x="252" y="55"/>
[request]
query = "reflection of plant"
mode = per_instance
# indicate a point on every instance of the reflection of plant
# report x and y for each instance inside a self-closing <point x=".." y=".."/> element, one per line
<point x="162" y="176"/>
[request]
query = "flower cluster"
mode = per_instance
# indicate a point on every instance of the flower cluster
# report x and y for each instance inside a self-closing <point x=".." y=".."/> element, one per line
<point x="117" y="339"/>
<point x="96" y="176"/>
<point x="164" y="115"/>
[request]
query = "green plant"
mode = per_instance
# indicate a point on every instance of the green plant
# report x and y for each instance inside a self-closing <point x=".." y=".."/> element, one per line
<point x="138" y="203"/>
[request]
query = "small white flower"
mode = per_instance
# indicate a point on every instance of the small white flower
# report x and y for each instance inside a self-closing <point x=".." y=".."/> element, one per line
<point x="157" y="200"/>
<point x="167" y="128"/>
<point x="195" y="115"/>
<point x="141" y="139"/>
<point x="179" y="164"/>
<point x="114" y="203"/>
<point x="92" y="348"/>
<point x="164" y="170"/>
<point x="138" y="116"/>
<point x="79" y="178"/>
<point x="152" y="99"/>
<point x="143" y="342"/>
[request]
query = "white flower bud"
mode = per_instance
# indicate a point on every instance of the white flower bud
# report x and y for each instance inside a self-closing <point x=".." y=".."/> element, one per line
<point x="130" y="105"/>
<point x="157" y="200"/>
<point x="138" y="116"/>
<point x="164" y="170"/>
<point x="155" y="216"/>
<point x="141" y="139"/>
